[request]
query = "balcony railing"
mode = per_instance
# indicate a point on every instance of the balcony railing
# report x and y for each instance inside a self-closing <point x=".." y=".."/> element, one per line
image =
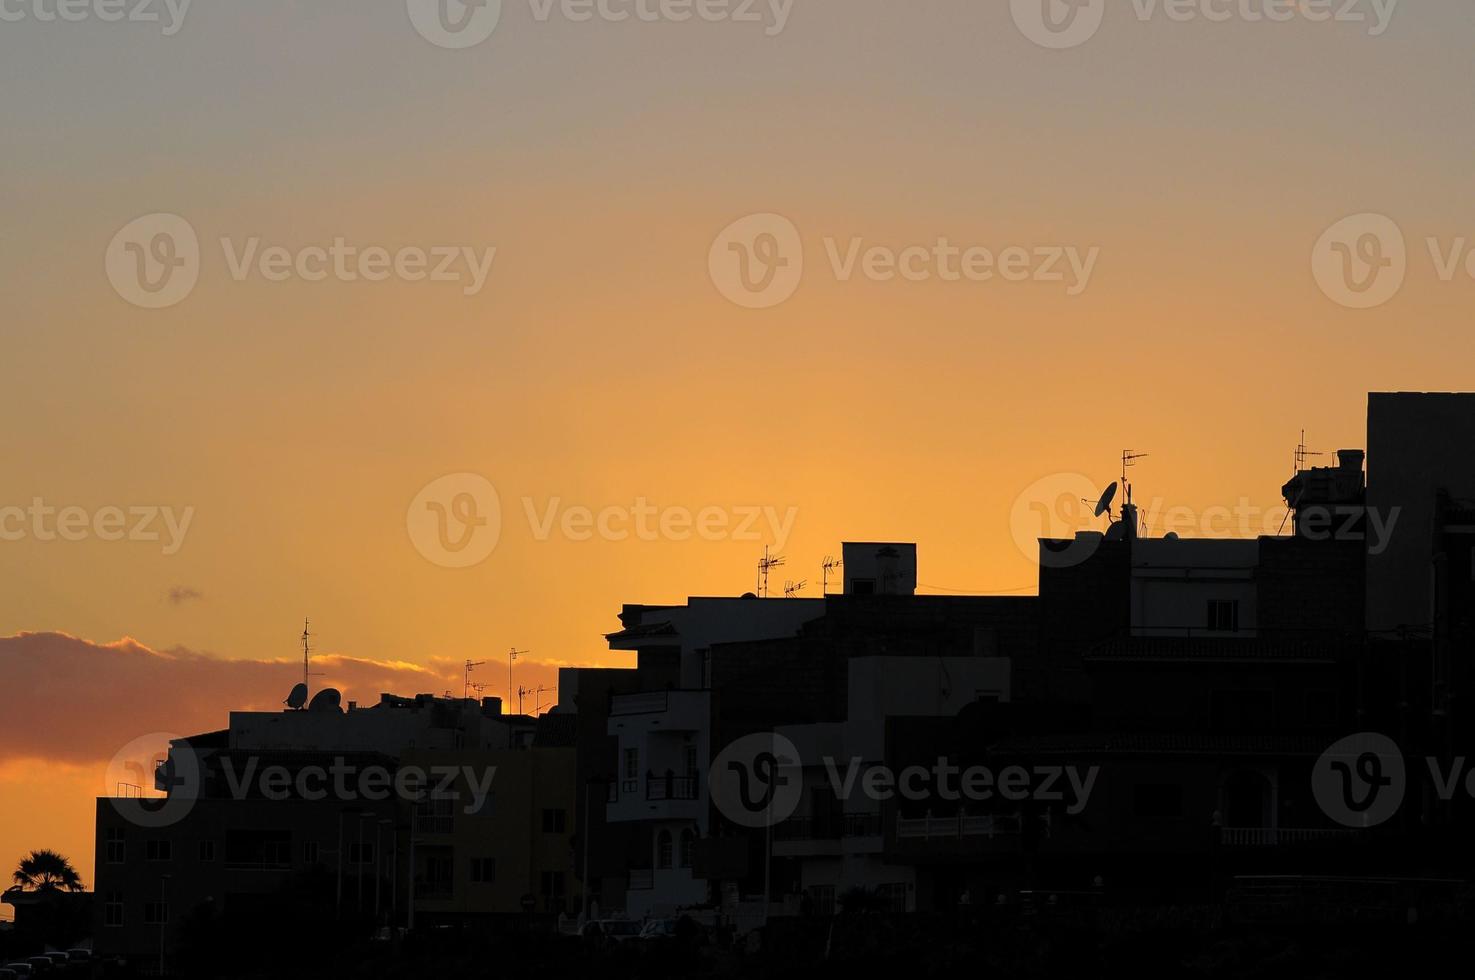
<point x="650" y="703"/>
<point x="1282" y="836"/>
<point x="671" y="787"/>
<point x="943" y="828"/>
<point x="829" y="828"/>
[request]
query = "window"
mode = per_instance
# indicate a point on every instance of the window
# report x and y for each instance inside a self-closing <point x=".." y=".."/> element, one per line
<point x="1321" y="708"/>
<point x="207" y="850"/>
<point x="555" y="821"/>
<point x="155" y="913"/>
<point x="1224" y="615"/>
<point x="483" y="870"/>
<point x="245" y="848"/>
<point x="663" y="849"/>
<point x="550" y="886"/>
<point x="690" y="754"/>
<point x="116" y="846"/>
<point x="683" y="853"/>
<point x="158" y="850"/>
<point x="823" y="897"/>
<point x="112" y="910"/>
<point x="632" y="763"/>
<point x="310" y="852"/>
<point x="1157" y="801"/>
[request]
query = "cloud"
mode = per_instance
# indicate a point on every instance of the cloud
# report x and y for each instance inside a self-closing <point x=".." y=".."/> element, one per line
<point x="181" y="594"/>
<point x="72" y="701"/>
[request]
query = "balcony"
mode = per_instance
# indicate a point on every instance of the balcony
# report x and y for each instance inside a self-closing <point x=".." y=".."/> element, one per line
<point x="649" y="703"/>
<point x="957" y="827"/>
<point x="1286" y="836"/>
<point x="670" y="787"/>
<point x="828" y="835"/>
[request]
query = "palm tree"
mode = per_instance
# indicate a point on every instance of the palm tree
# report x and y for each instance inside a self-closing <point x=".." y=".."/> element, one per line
<point x="46" y="871"/>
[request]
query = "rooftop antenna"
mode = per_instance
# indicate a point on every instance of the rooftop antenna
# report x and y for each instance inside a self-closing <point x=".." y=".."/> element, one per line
<point x="792" y="589"/>
<point x="1129" y="459"/>
<point x="537" y="694"/>
<point x="1303" y="454"/>
<point x="830" y="565"/>
<point x="511" y="659"/>
<point x="298" y="697"/>
<point x="765" y="565"/>
<point x="469" y="666"/>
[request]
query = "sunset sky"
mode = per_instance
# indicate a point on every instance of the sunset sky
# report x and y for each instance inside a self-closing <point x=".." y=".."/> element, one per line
<point x="296" y="422"/>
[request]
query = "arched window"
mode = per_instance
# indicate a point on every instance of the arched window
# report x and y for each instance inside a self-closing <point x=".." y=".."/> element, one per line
<point x="663" y="849"/>
<point x="683" y="855"/>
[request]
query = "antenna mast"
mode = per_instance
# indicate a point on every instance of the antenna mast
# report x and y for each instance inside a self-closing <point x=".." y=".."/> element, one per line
<point x="765" y="565"/>
<point x="792" y="589"/>
<point x="830" y="565"/>
<point x="469" y="666"/>
<point x="511" y="659"/>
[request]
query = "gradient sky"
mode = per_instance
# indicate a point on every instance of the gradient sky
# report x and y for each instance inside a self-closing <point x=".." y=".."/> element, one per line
<point x="600" y="364"/>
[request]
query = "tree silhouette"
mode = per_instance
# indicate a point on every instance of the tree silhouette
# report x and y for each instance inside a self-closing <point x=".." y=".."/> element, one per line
<point x="46" y="871"/>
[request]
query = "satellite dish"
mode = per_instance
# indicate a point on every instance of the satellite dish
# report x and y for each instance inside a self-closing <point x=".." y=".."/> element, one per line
<point x="298" y="697"/>
<point x="1103" y="505"/>
<point x="328" y="699"/>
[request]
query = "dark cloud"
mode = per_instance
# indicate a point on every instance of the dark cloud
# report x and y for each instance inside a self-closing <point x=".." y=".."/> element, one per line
<point x="78" y="702"/>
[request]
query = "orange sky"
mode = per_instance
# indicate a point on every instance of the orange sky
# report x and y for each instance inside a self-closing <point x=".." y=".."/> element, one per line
<point x="599" y="366"/>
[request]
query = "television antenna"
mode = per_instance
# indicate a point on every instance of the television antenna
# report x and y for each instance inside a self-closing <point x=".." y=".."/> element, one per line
<point x="298" y="697"/>
<point x="766" y="564"/>
<point x="469" y="666"/>
<point x="511" y="659"/>
<point x="830" y="565"/>
<point x="537" y="694"/>
<point x="792" y="589"/>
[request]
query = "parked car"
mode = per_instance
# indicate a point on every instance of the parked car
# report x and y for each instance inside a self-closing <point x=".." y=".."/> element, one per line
<point x="6" y="973"/>
<point x="658" y="930"/>
<point x="610" y="932"/>
<point x="79" y="955"/>
<point x="20" y="969"/>
<point x="41" y="966"/>
<point x="60" y="959"/>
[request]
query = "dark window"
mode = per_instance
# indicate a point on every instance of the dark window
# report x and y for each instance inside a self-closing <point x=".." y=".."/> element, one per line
<point x="310" y="852"/>
<point x="155" y="913"/>
<point x="1242" y="712"/>
<point x="550" y="886"/>
<point x="258" y="848"/>
<point x="555" y="821"/>
<point x="1157" y="801"/>
<point x="1321" y="708"/>
<point x="683" y="853"/>
<point x="632" y="763"/>
<point x="893" y="897"/>
<point x="112" y="910"/>
<point x="159" y="850"/>
<point x="117" y="846"/>
<point x="1224" y="615"/>
<point x="483" y="870"/>
<point x="663" y="849"/>
<point x="207" y="850"/>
